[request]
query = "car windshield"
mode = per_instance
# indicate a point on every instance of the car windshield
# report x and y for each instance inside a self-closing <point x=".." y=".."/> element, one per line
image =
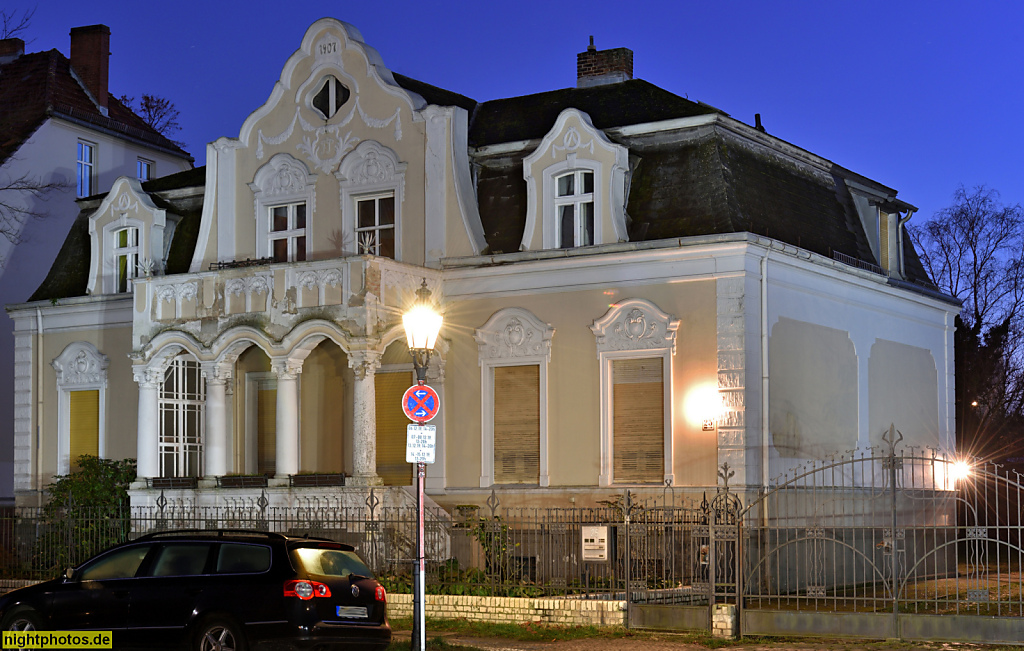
<point x="330" y="562"/>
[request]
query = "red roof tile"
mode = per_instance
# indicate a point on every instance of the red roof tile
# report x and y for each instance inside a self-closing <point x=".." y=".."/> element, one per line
<point x="36" y="86"/>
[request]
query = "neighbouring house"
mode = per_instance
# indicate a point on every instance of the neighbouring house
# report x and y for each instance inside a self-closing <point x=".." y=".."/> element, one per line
<point x="637" y="289"/>
<point x="58" y="124"/>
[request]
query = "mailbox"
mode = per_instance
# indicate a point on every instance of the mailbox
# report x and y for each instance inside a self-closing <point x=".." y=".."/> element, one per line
<point x="595" y="543"/>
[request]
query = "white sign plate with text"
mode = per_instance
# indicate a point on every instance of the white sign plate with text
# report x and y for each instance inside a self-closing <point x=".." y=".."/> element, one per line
<point x="419" y="443"/>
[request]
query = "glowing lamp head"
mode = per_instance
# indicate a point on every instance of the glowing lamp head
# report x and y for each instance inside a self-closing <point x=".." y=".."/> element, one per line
<point x="422" y="322"/>
<point x="960" y="470"/>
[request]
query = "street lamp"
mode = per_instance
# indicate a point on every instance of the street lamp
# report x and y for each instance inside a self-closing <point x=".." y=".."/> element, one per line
<point x="422" y="323"/>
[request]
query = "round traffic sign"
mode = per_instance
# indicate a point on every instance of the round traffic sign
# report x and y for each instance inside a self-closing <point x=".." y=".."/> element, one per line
<point x="420" y="403"/>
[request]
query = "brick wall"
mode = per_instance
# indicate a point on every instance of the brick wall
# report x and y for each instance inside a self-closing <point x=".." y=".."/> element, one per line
<point x="514" y="610"/>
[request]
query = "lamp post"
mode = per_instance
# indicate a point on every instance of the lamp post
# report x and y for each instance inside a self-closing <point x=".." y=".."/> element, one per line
<point x="422" y="323"/>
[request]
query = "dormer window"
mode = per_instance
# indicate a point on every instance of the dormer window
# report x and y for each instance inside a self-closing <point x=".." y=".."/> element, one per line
<point x="126" y="258"/>
<point x="287" y="235"/>
<point x="330" y="97"/>
<point x="574" y="205"/>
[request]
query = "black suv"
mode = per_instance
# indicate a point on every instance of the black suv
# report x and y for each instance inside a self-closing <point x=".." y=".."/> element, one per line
<point x="213" y="590"/>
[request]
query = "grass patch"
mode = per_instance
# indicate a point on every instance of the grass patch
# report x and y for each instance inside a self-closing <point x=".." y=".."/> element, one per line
<point x="533" y="632"/>
<point x="436" y="644"/>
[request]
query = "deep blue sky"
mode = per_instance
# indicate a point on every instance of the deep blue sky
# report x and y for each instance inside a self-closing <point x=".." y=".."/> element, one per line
<point x="918" y="96"/>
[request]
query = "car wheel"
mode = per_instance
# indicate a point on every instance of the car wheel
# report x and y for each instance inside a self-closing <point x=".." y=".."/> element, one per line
<point x="23" y="619"/>
<point x="219" y="635"/>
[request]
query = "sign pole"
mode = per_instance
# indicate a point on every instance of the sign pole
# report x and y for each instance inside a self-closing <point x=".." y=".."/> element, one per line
<point x="420" y="403"/>
<point x="420" y="624"/>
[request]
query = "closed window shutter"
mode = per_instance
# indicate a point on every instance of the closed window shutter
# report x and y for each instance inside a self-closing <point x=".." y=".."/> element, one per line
<point x="266" y="436"/>
<point x="517" y="424"/>
<point x="638" y="420"/>
<point x="85" y="424"/>
<point x="391" y="428"/>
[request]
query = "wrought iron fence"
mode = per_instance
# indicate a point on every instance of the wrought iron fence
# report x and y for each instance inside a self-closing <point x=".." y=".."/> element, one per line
<point x="873" y="532"/>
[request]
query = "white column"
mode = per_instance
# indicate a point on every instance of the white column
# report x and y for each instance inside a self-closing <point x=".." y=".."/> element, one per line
<point x="148" y="464"/>
<point x="364" y="430"/>
<point x="287" y="440"/>
<point x="217" y="375"/>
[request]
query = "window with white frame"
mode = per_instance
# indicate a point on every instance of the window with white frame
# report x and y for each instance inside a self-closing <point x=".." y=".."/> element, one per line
<point x="635" y="346"/>
<point x="574" y="208"/>
<point x="85" y="168"/>
<point x="375" y="225"/>
<point x="516" y="422"/>
<point x="638" y="420"/>
<point x="330" y="96"/>
<point x="182" y="404"/>
<point x="82" y="395"/>
<point x="144" y="169"/>
<point x="285" y="206"/>
<point x="126" y="258"/>
<point x="372" y="183"/>
<point x="287" y="232"/>
<point x="514" y="349"/>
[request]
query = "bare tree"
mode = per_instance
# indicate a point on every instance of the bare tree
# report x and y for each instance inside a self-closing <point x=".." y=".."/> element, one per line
<point x="12" y="25"/>
<point x="974" y="250"/>
<point x="158" y="112"/>
<point x="19" y="197"/>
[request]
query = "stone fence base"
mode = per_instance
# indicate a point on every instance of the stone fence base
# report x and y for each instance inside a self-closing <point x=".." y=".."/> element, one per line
<point x="514" y="610"/>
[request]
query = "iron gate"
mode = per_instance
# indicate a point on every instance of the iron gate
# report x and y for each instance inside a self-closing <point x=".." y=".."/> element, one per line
<point x="900" y="544"/>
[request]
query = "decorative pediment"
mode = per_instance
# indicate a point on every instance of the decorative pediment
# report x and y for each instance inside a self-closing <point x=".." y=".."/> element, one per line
<point x="283" y="177"/>
<point x="370" y="166"/>
<point x="81" y="364"/>
<point x="513" y="333"/>
<point x="635" y="324"/>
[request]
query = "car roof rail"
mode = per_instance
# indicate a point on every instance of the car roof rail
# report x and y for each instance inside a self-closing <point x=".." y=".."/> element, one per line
<point x="211" y="533"/>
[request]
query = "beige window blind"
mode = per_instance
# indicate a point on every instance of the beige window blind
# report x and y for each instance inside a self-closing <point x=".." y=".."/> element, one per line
<point x="85" y="424"/>
<point x="638" y="409"/>
<point x="517" y="424"/>
<point x="391" y="428"/>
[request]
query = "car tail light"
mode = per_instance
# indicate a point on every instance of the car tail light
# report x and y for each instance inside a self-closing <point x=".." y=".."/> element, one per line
<point x="306" y="589"/>
<point x="380" y="594"/>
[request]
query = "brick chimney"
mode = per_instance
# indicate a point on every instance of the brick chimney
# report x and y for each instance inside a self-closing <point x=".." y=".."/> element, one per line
<point x="11" y="49"/>
<point x="596" y="67"/>
<point x="90" y="58"/>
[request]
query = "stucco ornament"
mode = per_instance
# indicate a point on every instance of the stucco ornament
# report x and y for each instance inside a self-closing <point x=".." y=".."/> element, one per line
<point x="325" y="145"/>
<point x="124" y="204"/>
<point x="514" y="332"/>
<point x="572" y="142"/>
<point x="635" y="324"/>
<point x="81" y="364"/>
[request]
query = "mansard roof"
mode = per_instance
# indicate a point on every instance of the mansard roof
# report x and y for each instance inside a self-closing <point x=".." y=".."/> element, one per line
<point x="41" y="85"/>
<point x="685" y="181"/>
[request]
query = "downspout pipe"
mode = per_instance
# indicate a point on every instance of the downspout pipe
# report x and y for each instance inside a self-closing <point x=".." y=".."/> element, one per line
<point x="39" y="408"/>
<point x="765" y="448"/>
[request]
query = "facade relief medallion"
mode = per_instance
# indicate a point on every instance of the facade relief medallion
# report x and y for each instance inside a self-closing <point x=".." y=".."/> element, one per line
<point x="635" y="324"/>
<point x="513" y="333"/>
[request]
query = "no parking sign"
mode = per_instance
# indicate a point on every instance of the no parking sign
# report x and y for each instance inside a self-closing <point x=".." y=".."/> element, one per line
<point x="420" y="403"/>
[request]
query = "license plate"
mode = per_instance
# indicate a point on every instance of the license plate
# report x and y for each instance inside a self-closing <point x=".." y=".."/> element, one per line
<point x="352" y="612"/>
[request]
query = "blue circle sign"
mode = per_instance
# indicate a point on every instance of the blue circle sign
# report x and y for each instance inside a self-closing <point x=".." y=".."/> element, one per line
<point x="420" y="403"/>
